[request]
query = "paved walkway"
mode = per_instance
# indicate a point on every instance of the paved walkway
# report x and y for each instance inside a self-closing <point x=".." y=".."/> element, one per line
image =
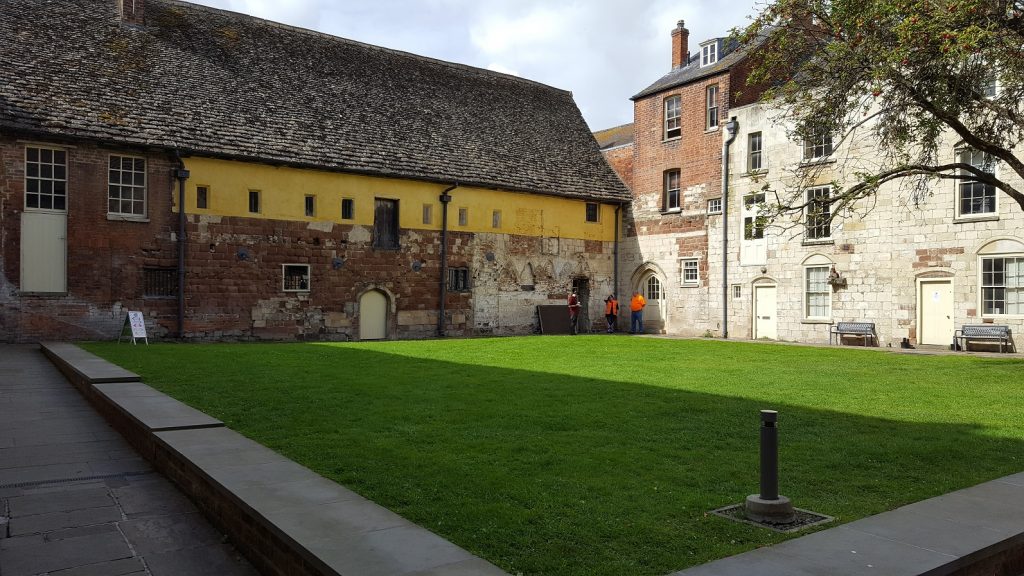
<point x="76" y="500"/>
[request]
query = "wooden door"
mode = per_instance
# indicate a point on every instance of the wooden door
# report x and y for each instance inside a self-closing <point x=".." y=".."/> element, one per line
<point x="765" y="311"/>
<point x="373" y="316"/>
<point x="935" y="312"/>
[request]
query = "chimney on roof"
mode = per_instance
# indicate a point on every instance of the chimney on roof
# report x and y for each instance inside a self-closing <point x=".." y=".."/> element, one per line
<point x="133" y="11"/>
<point x="680" y="45"/>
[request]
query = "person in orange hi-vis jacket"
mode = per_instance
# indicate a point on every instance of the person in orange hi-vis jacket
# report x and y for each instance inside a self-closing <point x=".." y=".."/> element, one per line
<point x="636" y="308"/>
<point x="611" y="311"/>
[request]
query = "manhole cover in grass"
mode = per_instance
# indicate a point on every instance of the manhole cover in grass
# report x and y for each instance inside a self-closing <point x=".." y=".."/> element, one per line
<point x="804" y="519"/>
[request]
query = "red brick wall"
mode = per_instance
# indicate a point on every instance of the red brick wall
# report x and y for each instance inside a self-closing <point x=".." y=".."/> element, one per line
<point x="226" y="296"/>
<point x="621" y="160"/>
<point x="697" y="155"/>
<point x="105" y="258"/>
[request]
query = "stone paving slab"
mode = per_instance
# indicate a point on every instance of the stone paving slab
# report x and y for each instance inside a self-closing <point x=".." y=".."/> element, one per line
<point x="152" y="409"/>
<point x="86" y="364"/>
<point x="71" y="486"/>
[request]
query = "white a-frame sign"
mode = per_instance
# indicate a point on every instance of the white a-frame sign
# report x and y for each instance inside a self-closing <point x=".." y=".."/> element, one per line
<point x="137" y="324"/>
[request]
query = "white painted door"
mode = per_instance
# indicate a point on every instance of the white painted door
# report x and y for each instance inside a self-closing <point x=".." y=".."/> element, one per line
<point x="373" y="316"/>
<point x="765" y="313"/>
<point x="44" y="251"/>
<point x="653" y="292"/>
<point x="936" y="312"/>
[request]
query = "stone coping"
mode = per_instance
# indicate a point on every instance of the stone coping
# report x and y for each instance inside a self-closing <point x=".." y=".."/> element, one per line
<point x="977" y="530"/>
<point x="83" y="365"/>
<point x="286" y="518"/>
<point x="151" y="409"/>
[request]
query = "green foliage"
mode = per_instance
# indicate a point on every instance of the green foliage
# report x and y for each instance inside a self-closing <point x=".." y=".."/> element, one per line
<point x="907" y="72"/>
<point x="601" y="455"/>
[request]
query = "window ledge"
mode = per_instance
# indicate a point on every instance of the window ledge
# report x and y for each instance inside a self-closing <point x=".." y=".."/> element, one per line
<point x="711" y="130"/>
<point x="673" y="139"/>
<point x="125" y="218"/>
<point x="822" y="242"/>
<point x="719" y="213"/>
<point x="672" y="211"/>
<point x="980" y="218"/>
<point x="44" y="294"/>
<point x="816" y="321"/>
<point x="812" y="162"/>
<point x="754" y="173"/>
<point x="690" y="285"/>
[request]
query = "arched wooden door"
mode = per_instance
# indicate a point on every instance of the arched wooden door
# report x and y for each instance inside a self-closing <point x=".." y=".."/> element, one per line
<point x="373" y="316"/>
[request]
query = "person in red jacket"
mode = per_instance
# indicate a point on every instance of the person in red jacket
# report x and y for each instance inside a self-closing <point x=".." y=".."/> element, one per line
<point x="574" y="313"/>
<point x="611" y="311"/>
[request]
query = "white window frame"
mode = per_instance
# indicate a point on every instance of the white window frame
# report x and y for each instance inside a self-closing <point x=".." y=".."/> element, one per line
<point x="54" y="181"/>
<point x="689" y="271"/>
<point x="822" y="289"/>
<point x="714" y="206"/>
<point x="759" y="152"/>
<point x="673" y="112"/>
<point x="711" y="100"/>
<point x="133" y="187"/>
<point x="986" y="281"/>
<point x="668" y="191"/>
<point x="284" y="278"/>
<point x="818" y="142"/>
<point x="987" y="190"/>
<point x="750" y="214"/>
<point x="709" y="54"/>
<point x="654" y="282"/>
<point x="811" y="229"/>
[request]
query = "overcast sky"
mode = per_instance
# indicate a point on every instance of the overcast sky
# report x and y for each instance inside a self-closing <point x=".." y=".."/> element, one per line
<point x="604" y="51"/>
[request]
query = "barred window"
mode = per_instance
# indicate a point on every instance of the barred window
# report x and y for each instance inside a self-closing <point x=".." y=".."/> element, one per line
<point x="126" y="186"/>
<point x="159" y="282"/>
<point x="296" y="277"/>
<point x="458" y="279"/>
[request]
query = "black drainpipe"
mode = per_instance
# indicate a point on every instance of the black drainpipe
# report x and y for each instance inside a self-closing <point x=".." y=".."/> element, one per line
<point x="181" y="174"/>
<point x="731" y="127"/>
<point x="615" y="252"/>
<point x="445" y="198"/>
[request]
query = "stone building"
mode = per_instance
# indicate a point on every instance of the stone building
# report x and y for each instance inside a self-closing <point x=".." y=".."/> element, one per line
<point x="916" y="264"/>
<point x="327" y="189"/>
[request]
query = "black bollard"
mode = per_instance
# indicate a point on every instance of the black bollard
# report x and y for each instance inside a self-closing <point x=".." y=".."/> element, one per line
<point x="768" y="506"/>
<point x="769" y="455"/>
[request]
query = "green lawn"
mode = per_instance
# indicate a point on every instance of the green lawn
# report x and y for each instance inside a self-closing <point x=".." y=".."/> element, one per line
<point x="601" y="455"/>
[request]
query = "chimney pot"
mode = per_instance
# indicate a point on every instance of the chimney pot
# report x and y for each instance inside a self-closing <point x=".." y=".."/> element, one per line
<point x="133" y="12"/>
<point x="680" y="45"/>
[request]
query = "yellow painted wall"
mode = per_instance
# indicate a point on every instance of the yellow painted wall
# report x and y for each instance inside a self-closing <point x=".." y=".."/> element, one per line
<point x="283" y="190"/>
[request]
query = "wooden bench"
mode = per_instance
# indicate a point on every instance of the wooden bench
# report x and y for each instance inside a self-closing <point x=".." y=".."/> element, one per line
<point x="984" y="333"/>
<point x="865" y="330"/>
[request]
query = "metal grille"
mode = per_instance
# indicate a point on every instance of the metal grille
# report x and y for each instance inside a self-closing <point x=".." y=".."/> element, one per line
<point x="159" y="282"/>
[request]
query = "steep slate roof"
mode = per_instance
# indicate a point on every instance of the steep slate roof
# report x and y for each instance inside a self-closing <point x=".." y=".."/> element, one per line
<point x="614" y="137"/>
<point x="729" y="55"/>
<point x="217" y="83"/>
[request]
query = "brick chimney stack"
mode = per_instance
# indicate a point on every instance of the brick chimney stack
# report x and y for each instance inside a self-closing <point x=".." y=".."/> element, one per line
<point x="133" y="12"/>
<point x="680" y="45"/>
